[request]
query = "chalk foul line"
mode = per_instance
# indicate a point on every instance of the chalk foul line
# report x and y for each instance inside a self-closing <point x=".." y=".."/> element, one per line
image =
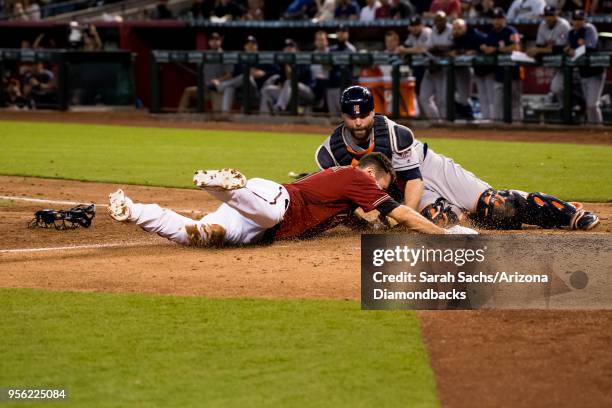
<point x="73" y="203"/>
<point x="79" y="247"/>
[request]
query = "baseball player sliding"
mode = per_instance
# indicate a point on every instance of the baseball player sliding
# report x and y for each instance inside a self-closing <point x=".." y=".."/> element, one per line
<point x="260" y="210"/>
<point x="440" y="189"/>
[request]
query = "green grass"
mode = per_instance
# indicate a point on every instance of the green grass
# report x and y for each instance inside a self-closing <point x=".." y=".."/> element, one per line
<point x="165" y="157"/>
<point x="168" y="157"/>
<point x="141" y="350"/>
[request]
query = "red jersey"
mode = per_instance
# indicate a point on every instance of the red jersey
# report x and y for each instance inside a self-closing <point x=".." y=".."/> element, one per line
<point x="317" y="200"/>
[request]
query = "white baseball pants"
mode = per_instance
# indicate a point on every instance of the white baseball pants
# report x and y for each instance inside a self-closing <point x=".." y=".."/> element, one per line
<point x="245" y="214"/>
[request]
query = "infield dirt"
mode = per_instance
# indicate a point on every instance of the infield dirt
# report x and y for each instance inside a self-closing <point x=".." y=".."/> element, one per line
<point x="480" y="358"/>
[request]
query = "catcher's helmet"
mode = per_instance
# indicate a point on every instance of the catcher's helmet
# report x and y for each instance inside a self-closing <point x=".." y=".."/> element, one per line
<point x="357" y="101"/>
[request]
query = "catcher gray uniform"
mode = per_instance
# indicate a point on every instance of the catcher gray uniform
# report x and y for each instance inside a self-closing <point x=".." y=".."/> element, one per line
<point x="449" y="189"/>
<point x="555" y="37"/>
<point x="442" y="177"/>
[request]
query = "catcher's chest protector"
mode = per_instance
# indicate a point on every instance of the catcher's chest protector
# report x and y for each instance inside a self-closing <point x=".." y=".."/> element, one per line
<point x="382" y="143"/>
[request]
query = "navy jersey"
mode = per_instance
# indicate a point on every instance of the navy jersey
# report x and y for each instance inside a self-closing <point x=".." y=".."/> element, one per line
<point x="588" y="37"/>
<point x="335" y="74"/>
<point x="471" y="41"/>
<point x="503" y="38"/>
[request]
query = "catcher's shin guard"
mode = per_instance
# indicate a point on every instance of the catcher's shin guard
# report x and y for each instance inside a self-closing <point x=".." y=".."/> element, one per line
<point x="440" y="213"/>
<point x="498" y="210"/>
<point x="509" y="209"/>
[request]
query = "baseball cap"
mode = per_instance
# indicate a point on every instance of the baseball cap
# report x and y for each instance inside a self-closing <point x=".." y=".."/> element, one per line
<point x="498" y="12"/>
<point x="415" y="21"/>
<point x="251" y="39"/>
<point x="578" y="15"/>
<point x="550" y="11"/>
<point x="215" y="36"/>
<point x="290" y="43"/>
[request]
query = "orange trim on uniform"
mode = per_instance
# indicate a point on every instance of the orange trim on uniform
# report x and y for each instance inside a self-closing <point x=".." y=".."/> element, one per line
<point x="370" y="149"/>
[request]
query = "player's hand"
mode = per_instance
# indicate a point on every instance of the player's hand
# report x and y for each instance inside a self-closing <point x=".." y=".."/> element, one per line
<point x="532" y="52"/>
<point x="488" y="49"/>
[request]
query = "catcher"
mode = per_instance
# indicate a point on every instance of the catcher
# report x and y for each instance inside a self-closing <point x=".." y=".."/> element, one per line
<point x="262" y="211"/>
<point x="440" y="189"/>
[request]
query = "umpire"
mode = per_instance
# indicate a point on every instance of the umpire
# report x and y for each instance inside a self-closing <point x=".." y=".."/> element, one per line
<point x="591" y="78"/>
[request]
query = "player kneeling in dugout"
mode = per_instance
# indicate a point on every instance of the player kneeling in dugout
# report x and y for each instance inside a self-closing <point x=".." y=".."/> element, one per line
<point x="259" y="210"/>
<point x="440" y="189"/>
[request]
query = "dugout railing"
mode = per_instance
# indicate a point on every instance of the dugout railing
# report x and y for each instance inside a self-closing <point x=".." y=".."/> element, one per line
<point x="80" y="77"/>
<point x="347" y="61"/>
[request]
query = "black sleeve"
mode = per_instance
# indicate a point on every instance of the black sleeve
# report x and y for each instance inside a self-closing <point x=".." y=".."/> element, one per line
<point x="388" y="206"/>
<point x="411" y="174"/>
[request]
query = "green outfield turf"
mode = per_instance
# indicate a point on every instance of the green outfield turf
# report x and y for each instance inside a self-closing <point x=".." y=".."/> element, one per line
<point x="166" y="351"/>
<point x="167" y="157"/>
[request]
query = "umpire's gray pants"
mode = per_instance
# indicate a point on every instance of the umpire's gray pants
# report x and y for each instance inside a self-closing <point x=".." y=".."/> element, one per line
<point x="486" y="94"/>
<point x="591" y="89"/>
<point x="443" y="178"/>
<point x="432" y="97"/>
<point x="498" y="104"/>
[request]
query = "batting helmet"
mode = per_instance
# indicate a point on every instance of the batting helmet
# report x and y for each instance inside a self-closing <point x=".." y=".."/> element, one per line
<point x="357" y="101"/>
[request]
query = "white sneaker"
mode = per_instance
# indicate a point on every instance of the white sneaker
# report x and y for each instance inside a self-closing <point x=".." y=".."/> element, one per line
<point x="119" y="205"/>
<point x="205" y="235"/>
<point x="224" y="179"/>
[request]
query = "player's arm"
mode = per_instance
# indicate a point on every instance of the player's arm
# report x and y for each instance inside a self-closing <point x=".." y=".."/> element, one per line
<point x="407" y="165"/>
<point x="413" y="193"/>
<point x="510" y="48"/>
<point x="365" y="193"/>
<point x="414" y="221"/>
<point x="515" y="44"/>
<point x="541" y="47"/>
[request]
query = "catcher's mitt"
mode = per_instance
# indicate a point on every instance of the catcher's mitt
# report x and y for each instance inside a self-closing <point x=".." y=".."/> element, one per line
<point x="79" y="216"/>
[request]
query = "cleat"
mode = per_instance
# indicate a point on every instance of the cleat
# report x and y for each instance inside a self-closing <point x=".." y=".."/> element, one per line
<point x="584" y="221"/>
<point x="119" y="206"/>
<point x="225" y="179"/>
<point x="205" y="235"/>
